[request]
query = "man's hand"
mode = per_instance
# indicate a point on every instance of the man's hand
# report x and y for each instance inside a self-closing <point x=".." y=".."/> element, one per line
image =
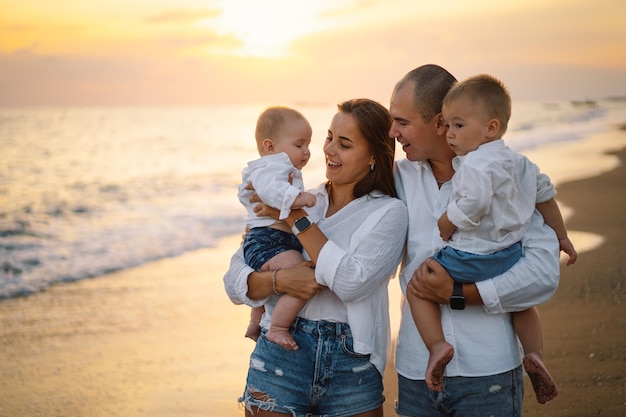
<point x="431" y="282"/>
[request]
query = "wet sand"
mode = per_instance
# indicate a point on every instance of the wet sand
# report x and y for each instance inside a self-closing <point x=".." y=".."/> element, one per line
<point x="158" y="340"/>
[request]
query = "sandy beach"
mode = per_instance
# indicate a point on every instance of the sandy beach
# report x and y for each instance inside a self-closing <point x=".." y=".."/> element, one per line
<point x="163" y="340"/>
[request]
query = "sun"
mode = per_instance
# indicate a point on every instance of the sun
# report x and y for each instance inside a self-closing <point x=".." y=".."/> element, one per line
<point x="266" y="28"/>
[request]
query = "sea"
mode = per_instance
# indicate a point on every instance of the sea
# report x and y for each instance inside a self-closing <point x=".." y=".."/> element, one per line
<point x="89" y="190"/>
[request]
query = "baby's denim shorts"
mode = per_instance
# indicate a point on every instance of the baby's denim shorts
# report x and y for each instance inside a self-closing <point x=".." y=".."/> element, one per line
<point x="323" y="377"/>
<point x="263" y="243"/>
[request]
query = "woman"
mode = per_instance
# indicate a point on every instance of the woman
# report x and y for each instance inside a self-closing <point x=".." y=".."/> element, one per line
<point x="343" y="332"/>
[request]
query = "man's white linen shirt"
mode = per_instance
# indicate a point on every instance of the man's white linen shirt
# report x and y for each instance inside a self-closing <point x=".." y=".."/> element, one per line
<point x="482" y="336"/>
<point x="364" y="248"/>
<point x="494" y="192"/>
<point x="269" y="176"/>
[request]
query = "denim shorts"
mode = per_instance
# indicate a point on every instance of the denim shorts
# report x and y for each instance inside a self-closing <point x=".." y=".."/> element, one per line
<point x="470" y="267"/>
<point x="495" y="395"/>
<point x="263" y="243"/>
<point x="323" y="377"/>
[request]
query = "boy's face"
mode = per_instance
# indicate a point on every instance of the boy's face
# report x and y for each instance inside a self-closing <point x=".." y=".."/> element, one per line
<point x="294" y="139"/>
<point x="467" y="126"/>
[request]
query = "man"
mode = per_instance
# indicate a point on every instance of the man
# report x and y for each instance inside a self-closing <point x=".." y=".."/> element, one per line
<point x="485" y="375"/>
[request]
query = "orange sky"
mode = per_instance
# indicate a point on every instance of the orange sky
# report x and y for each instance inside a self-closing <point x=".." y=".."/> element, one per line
<point x="70" y="52"/>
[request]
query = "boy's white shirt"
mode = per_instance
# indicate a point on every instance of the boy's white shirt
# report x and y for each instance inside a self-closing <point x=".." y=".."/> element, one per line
<point x="494" y="192"/>
<point x="533" y="280"/>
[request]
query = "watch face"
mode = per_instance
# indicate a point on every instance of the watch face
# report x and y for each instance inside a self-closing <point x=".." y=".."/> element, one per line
<point x="302" y="224"/>
<point x="457" y="303"/>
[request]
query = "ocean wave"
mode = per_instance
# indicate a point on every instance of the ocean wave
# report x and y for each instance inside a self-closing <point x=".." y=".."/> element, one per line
<point x="84" y="192"/>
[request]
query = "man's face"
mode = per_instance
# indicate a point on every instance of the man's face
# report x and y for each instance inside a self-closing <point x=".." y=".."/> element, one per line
<point x="408" y="127"/>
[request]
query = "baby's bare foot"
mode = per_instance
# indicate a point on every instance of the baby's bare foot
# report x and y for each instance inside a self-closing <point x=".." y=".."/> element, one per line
<point x="254" y="331"/>
<point x="440" y="355"/>
<point x="541" y="380"/>
<point x="282" y="338"/>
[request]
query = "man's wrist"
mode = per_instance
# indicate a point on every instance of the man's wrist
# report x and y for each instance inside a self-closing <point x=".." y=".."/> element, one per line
<point x="457" y="300"/>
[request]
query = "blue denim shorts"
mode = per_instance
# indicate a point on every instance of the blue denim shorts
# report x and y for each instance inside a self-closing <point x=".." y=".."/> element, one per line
<point x="495" y="395"/>
<point x="470" y="267"/>
<point x="323" y="377"/>
<point x="263" y="243"/>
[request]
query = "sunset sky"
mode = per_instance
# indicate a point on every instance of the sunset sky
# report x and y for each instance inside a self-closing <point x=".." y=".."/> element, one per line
<point x="171" y="52"/>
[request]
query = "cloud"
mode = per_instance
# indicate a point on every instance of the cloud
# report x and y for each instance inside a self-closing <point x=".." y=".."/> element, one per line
<point x="540" y="53"/>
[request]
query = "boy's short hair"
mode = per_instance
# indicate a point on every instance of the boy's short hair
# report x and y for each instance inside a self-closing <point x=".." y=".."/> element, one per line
<point x="489" y="93"/>
<point x="271" y="120"/>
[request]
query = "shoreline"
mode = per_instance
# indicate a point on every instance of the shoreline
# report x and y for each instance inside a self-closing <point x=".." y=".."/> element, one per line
<point x="162" y="339"/>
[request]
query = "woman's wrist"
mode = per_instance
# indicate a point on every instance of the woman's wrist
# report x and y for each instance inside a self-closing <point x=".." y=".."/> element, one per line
<point x="274" y="283"/>
<point x="294" y="215"/>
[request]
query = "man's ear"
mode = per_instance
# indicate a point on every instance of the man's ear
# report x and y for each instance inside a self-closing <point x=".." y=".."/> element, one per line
<point x="268" y="145"/>
<point x="441" y="125"/>
<point x="493" y="127"/>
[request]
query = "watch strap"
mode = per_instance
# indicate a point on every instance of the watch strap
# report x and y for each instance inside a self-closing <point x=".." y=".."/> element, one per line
<point x="457" y="301"/>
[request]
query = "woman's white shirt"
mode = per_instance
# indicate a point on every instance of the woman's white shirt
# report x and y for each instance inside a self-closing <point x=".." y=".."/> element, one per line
<point x="365" y="245"/>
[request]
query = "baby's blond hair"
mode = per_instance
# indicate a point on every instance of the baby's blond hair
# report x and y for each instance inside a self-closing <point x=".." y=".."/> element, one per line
<point x="271" y="120"/>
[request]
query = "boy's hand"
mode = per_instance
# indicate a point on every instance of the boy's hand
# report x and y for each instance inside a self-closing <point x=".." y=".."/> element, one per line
<point x="446" y="227"/>
<point x="567" y="246"/>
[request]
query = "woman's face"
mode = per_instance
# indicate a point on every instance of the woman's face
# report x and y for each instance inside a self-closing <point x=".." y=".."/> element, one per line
<point x="348" y="157"/>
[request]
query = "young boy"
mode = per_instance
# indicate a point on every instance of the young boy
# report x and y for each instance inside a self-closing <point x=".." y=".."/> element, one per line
<point x="495" y="192"/>
<point x="283" y="136"/>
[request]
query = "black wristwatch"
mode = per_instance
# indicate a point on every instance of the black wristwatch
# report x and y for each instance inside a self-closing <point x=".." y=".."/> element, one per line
<point x="457" y="301"/>
<point x="301" y="225"/>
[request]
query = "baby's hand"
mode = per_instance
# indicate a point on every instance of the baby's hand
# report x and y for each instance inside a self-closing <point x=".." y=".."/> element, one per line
<point x="567" y="246"/>
<point x="304" y="199"/>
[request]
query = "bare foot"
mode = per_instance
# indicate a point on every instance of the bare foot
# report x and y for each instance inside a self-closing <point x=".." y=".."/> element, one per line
<point x="543" y="384"/>
<point x="253" y="331"/>
<point x="282" y="338"/>
<point x="440" y="355"/>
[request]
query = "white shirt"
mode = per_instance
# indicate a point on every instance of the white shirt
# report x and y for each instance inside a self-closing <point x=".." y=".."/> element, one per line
<point x="482" y="336"/>
<point x="364" y="248"/>
<point x="494" y="195"/>
<point x="269" y="176"/>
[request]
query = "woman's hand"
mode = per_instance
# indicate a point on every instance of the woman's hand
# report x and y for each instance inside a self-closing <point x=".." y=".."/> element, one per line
<point x="263" y="210"/>
<point x="298" y="281"/>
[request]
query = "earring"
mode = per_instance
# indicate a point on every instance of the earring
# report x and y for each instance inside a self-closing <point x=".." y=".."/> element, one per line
<point x="372" y="167"/>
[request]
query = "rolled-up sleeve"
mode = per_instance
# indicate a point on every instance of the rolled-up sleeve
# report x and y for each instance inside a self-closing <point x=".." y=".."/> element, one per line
<point x="373" y="256"/>
<point x="474" y="191"/>
<point x="236" y="281"/>
<point x="545" y="188"/>
<point x="532" y="280"/>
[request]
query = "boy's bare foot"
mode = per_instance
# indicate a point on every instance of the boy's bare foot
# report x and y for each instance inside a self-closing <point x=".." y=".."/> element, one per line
<point x="282" y="338"/>
<point x="543" y="384"/>
<point x="440" y="355"/>
<point x="254" y="330"/>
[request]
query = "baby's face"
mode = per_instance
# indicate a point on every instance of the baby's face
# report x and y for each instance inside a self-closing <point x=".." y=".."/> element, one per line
<point x="294" y="140"/>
